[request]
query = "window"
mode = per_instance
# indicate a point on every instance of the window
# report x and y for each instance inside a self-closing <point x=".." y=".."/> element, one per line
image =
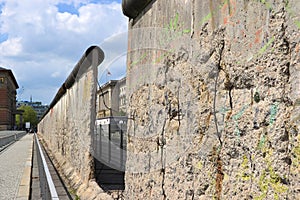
<point x="2" y="82"/>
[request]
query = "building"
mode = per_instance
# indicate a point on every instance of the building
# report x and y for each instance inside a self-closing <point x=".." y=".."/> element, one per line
<point x="8" y="87"/>
<point x="111" y="99"/>
<point x="37" y="106"/>
<point x="106" y="101"/>
<point x="122" y="96"/>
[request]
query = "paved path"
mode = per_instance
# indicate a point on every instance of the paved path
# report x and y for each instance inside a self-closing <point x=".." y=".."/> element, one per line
<point x="15" y="167"/>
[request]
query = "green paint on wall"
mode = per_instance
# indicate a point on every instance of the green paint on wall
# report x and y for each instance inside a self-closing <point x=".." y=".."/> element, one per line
<point x="273" y="112"/>
<point x="298" y="24"/>
<point x="262" y="141"/>
<point x="266" y="46"/>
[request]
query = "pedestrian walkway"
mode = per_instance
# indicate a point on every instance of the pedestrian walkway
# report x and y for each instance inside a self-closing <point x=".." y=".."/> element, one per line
<point x="15" y="169"/>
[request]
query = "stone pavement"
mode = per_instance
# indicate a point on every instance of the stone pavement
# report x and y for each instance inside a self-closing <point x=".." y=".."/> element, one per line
<point x="15" y="169"/>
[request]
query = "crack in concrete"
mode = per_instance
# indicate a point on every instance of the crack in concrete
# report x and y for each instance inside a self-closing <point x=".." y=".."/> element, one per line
<point x="219" y="178"/>
<point x="162" y="143"/>
<point x="193" y="19"/>
<point x="220" y="174"/>
<point x="215" y="92"/>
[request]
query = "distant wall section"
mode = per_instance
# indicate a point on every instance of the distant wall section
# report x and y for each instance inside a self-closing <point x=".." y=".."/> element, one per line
<point x="67" y="127"/>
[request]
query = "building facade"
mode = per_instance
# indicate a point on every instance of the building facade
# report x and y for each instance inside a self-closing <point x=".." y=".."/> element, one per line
<point x="122" y="96"/>
<point x="8" y="87"/>
<point x="111" y="99"/>
<point x="37" y="106"/>
<point x="106" y="100"/>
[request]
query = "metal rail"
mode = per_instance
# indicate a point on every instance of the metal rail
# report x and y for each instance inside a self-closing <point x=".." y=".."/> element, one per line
<point x="48" y="190"/>
<point x="8" y="139"/>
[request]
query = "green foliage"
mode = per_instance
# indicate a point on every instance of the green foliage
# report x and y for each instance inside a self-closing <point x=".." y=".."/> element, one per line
<point x="29" y="115"/>
<point x="122" y="113"/>
<point x="73" y="194"/>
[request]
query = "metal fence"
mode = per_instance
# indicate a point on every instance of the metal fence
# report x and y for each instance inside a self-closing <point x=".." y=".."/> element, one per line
<point x="109" y="141"/>
<point x="9" y="137"/>
<point x="109" y="147"/>
<point x="48" y="190"/>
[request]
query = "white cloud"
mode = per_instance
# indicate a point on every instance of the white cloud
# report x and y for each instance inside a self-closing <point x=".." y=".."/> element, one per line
<point x="11" y="47"/>
<point x="44" y="44"/>
<point x="55" y="74"/>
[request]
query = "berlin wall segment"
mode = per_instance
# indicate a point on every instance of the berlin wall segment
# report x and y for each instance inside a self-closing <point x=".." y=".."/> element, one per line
<point x="213" y="101"/>
<point x="67" y="128"/>
<point x="215" y="83"/>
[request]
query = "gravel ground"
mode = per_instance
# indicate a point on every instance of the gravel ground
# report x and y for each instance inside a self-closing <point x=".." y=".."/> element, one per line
<point x="12" y="163"/>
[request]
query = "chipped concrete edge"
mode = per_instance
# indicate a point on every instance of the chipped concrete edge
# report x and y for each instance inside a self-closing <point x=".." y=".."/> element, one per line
<point x="24" y="185"/>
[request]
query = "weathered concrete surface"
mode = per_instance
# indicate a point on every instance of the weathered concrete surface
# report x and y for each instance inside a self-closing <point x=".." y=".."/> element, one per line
<point x="66" y="133"/>
<point x="214" y="97"/>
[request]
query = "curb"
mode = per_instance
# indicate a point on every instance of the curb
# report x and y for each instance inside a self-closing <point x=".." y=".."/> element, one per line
<point x="24" y="186"/>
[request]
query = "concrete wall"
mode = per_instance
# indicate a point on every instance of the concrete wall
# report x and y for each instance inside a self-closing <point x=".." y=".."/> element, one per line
<point x="67" y="128"/>
<point x="214" y="100"/>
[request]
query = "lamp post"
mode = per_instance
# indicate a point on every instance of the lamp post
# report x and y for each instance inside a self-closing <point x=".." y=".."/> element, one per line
<point x="121" y="122"/>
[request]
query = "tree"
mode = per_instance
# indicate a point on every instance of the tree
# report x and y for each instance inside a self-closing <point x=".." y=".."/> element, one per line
<point x="29" y="115"/>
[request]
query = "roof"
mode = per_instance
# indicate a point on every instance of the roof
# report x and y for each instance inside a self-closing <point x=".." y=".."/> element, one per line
<point x="11" y="75"/>
<point x="123" y="79"/>
<point x="110" y="83"/>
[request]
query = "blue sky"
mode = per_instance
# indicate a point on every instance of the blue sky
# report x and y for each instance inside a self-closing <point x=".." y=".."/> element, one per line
<point x="41" y="41"/>
<point x="72" y="8"/>
<point x="3" y="37"/>
<point x="69" y="8"/>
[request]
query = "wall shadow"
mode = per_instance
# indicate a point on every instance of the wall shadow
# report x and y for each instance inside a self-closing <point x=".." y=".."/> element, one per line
<point x="109" y="178"/>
